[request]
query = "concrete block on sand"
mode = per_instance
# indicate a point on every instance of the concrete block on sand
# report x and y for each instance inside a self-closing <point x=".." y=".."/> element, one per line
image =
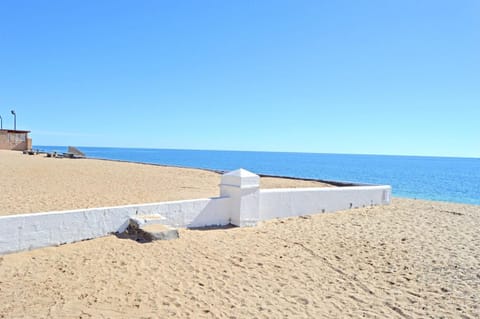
<point x="159" y="232"/>
<point x="148" y="229"/>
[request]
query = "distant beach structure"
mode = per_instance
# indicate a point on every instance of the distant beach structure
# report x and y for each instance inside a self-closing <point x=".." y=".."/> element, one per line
<point x="74" y="152"/>
<point x="15" y="140"/>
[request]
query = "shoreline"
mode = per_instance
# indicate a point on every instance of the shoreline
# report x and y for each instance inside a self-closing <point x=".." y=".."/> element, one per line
<point x="330" y="182"/>
<point x="219" y="171"/>
<point x="409" y="188"/>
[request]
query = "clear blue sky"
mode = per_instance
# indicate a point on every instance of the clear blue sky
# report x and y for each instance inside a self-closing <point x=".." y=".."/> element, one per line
<point x="368" y="77"/>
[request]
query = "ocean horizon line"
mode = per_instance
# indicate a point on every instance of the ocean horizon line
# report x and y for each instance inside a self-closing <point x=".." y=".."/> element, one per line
<point x="257" y="151"/>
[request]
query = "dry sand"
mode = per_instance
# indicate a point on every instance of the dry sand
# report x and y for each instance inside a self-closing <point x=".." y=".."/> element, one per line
<point x="412" y="259"/>
<point x="31" y="184"/>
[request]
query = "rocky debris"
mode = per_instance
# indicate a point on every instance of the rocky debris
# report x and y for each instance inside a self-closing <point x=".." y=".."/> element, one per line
<point x="148" y="228"/>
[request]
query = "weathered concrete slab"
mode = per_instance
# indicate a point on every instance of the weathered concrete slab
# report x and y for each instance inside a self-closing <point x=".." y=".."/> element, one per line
<point x="160" y="232"/>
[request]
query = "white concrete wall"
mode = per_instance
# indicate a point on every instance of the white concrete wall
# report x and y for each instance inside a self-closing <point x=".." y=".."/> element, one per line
<point x="28" y="231"/>
<point x="242" y="203"/>
<point x="275" y="203"/>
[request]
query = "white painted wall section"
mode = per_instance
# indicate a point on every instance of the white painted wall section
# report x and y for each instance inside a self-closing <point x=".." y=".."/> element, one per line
<point x="277" y="203"/>
<point x="29" y="231"/>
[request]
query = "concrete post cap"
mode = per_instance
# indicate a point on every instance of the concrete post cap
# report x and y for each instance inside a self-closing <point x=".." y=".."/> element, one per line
<point x="241" y="178"/>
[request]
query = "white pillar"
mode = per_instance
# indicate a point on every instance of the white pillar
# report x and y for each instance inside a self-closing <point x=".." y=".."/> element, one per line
<point x="243" y="188"/>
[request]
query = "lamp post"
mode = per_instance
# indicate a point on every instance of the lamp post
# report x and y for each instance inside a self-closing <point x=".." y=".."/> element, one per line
<point x="1" y="123"/>
<point x="14" y="120"/>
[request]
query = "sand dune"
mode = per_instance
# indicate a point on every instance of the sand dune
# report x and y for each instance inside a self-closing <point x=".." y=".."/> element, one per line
<point x="412" y="259"/>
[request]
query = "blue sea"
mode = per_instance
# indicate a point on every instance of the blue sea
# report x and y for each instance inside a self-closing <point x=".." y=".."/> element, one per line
<point x="433" y="178"/>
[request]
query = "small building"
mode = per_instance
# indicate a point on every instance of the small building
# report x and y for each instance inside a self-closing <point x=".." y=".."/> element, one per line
<point x="15" y="140"/>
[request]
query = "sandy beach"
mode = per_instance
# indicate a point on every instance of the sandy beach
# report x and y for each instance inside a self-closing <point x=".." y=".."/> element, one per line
<point x="411" y="259"/>
<point x="32" y="184"/>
